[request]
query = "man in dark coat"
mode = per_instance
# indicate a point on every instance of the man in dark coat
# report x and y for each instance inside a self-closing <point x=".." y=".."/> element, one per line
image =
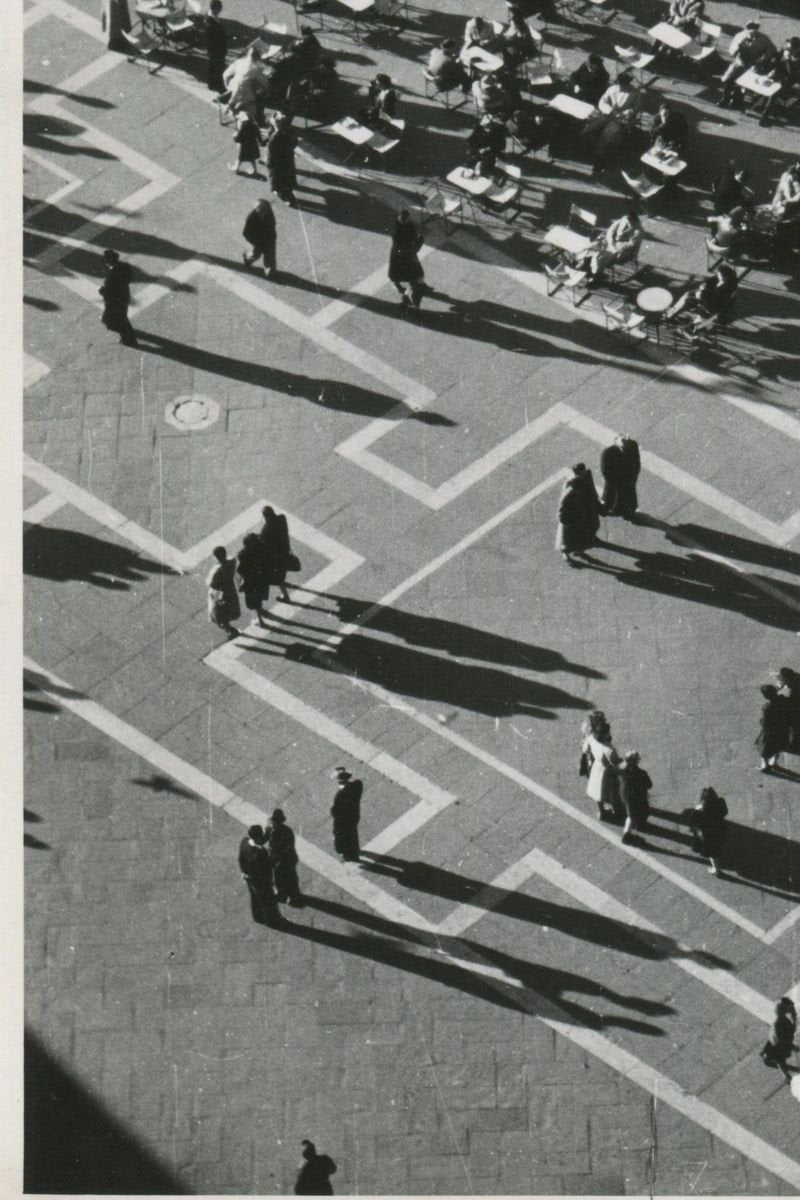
<point x="280" y="160"/>
<point x="346" y="813"/>
<point x="216" y="47"/>
<point x="280" y="842"/>
<point x="314" y="1176"/>
<point x="620" y="465"/>
<point x="578" y="514"/>
<point x="254" y="863"/>
<point x="275" y="547"/>
<point x="260" y="231"/>
<point x="116" y="293"/>
<point x="590" y="80"/>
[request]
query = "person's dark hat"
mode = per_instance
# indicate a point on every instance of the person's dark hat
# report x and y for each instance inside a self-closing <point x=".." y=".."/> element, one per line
<point x="255" y="833"/>
<point x="579" y="468"/>
<point x="111" y="256"/>
<point x="342" y="773"/>
<point x="278" y="816"/>
<point x="753" y="25"/>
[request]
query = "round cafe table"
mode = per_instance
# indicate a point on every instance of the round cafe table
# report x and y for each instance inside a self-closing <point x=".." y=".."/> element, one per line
<point x="654" y="302"/>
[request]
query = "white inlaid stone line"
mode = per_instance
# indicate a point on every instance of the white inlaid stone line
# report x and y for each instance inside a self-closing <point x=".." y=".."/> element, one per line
<point x="782" y="927"/>
<point x="70" y="184"/>
<point x="348" y="880"/>
<point x="361" y="291"/>
<point x="595" y="900"/>
<point x="43" y="508"/>
<point x="33" y="370"/>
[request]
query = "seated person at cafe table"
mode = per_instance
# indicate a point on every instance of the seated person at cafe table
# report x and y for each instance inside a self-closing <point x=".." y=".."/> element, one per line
<point x="686" y="14"/>
<point x="382" y="102"/>
<point x="669" y="130"/>
<point x="478" y="32"/>
<point x="444" y="69"/>
<point x="728" y="230"/>
<point x="713" y="297"/>
<point x="484" y="143"/>
<point x="619" y="243"/>
<point x="783" y="69"/>
<point x="534" y="127"/>
<point x="516" y="44"/>
<point x="590" y="80"/>
<point x="748" y="47"/>
<point x="606" y="130"/>
<point x="492" y="97"/>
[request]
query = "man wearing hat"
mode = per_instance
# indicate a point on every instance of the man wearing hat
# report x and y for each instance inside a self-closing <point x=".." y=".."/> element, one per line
<point x="116" y="293"/>
<point x="283" y="856"/>
<point x="346" y="813"/>
<point x="254" y="863"/>
<point x="747" y="48"/>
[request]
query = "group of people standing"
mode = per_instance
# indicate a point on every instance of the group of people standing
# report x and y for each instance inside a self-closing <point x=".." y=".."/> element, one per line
<point x="620" y="788"/>
<point x="580" y="508"/>
<point x="779" y="727"/>
<point x="262" y="562"/>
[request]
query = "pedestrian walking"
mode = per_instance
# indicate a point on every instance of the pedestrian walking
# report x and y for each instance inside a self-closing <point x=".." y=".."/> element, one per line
<point x="261" y="233"/>
<point x="314" y="1175"/>
<point x="780" y="1044"/>
<point x="600" y="760"/>
<point x="707" y="824"/>
<point x="789" y="689"/>
<point x="774" y="727"/>
<point x="254" y="578"/>
<point x="223" y="601"/>
<point x="283" y="856"/>
<point x="578" y="515"/>
<point x="405" y="269"/>
<point x="281" y="145"/>
<point x="249" y="140"/>
<point x="634" y="784"/>
<point x="216" y="48"/>
<point x="276" y="548"/>
<point x="620" y="464"/>
<point x="116" y="293"/>
<point x="254" y="863"/>
<point x="346" y="813"/>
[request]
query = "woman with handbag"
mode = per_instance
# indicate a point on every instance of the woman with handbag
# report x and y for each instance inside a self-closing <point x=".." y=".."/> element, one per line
<point x="276" y="549"/>
<point x="707" y="824"/>
<point x="780" y="1043"/>
<point x="223" y="600"/>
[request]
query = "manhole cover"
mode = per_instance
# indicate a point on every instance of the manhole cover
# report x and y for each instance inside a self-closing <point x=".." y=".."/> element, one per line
<point x="192" y="412"/>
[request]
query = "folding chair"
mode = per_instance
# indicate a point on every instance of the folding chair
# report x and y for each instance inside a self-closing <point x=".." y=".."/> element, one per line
<point x="621" y="318"/>
<point x="444" y="97"/>
<point x="581" y="220"/>
<point x="564" y="275"/>
<point x="142" y="45"/>
<point x="630" y="59"/>
<point x="716" y="254"/>
<point x="705" y="44"/>
<point x="630" y="260"/>
<point x="503" y="199"/>
<point x="642" y="187"/>
<point x="180" y="28"/>
<point x="582" y="8"/>
<point x="435" y="204"/>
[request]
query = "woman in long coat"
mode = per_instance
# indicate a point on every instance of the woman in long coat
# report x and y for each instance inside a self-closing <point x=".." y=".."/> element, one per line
<point x="578" y="514"/>
<point x="280" y="160"/>
<point x="223" y="601"/>
<point x="774" y="730"/>
<point x="780" y="1043"/>
<point x="276" y="549"/>
<point x="602" y="784"/>
<point x="634" y="785"/>
<point x="404" y="265"/>
<point x="252" y="571"/>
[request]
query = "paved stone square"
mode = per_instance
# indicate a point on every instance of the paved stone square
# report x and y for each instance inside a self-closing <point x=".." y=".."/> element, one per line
<point x="501" y="998"/>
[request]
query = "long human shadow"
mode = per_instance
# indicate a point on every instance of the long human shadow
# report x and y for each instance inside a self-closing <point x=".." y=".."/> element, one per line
<point x="28" y="839"/>
<point x="462" y="641"/>
<point x="751" y="856"/>
<point x="411" y="672"/>
<point x="73" y="1145"/>
<point x="48" y="89"/>
<point x="40" y="131"/>
<point x="576" y="922"/>
<point x="328" y="393"/>
<point x="701" y="581"/>
<point x="61" y="554"/>
<point x="731" y="545"/>
<point x="544" y="990"/>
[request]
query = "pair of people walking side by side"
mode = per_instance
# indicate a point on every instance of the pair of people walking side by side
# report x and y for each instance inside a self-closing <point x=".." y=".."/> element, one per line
<point x="262" y="562"/>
